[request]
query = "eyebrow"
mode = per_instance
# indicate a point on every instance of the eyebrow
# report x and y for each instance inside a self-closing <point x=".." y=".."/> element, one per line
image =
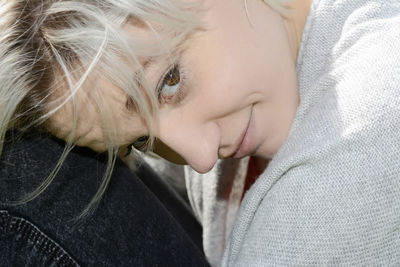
<point x="145" y="66"/>
<point x="130" y="104"/>
<point x="148" y="62"/>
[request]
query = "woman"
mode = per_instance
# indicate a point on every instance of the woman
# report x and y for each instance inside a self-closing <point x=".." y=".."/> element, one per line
<point x="46" y="49"/>
<point x="307" y="86"/>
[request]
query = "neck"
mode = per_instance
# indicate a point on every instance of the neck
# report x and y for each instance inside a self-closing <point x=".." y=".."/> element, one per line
<point x="295" y="22"/>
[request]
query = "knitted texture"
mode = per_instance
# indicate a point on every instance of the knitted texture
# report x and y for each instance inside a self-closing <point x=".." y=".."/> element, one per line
<point x="215" y="198"/>
<point x="331" y="195"/>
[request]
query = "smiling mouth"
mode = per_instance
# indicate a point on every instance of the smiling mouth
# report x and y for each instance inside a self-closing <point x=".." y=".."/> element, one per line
<point x="238" y="153"/>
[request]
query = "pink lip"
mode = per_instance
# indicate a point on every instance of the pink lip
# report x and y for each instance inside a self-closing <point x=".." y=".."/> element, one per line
<point x="246" y="139"/>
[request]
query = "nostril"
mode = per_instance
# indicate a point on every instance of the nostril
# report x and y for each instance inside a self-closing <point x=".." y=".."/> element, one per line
<point x="222" y="155"/>
<point x="225" y="152"/>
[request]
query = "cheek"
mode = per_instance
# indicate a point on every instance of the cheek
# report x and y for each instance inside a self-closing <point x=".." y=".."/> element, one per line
<point x="230" y="83"/>
<point x="225" y="71"/>
<point x="217" y="78"/>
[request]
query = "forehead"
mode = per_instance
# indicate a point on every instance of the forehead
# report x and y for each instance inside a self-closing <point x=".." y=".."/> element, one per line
<point x="97" y="115"/>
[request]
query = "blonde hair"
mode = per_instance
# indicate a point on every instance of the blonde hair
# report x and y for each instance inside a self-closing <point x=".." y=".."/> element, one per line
<point x="46" y="45"/>
<point x="279" y="6"/>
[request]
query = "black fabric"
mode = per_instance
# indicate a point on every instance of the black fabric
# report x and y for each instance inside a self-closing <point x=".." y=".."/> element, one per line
<point x="174" y="203"/>
<point x="130" y="227"/>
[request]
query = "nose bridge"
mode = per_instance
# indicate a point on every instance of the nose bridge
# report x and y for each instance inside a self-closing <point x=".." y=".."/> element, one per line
<point x="195" y="141"/>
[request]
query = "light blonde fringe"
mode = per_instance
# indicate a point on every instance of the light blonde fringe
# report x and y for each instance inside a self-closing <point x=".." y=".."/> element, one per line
<point x="79" y="40"/>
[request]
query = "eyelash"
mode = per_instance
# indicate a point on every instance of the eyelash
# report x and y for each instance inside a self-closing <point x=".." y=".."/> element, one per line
<point x="143" y="148"/>
<point x="181" y="90"/>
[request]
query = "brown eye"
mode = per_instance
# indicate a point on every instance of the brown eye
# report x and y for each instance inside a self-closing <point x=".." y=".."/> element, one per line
<point x="173" y="77"/>
<point x="170" y="84"/>
<point x="140" y="143"/>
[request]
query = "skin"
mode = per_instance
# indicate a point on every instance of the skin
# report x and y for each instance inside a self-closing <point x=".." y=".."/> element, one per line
<point x="237" y="78"/>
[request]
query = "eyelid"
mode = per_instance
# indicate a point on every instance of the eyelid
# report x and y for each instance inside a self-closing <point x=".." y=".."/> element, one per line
<point x="144" y="148"/>
<point x="181" y="90"/>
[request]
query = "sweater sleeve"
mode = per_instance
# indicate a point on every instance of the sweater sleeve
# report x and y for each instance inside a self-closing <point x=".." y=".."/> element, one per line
<point x="330" y="196"/>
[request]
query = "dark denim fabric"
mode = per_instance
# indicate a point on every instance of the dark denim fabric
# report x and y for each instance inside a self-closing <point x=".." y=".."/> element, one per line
<point x="130" y="227"/>
<point x="33" y="247"/>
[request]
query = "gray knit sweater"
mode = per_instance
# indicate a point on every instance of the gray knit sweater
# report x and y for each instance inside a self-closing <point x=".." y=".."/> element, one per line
<point x="331" y="195"/>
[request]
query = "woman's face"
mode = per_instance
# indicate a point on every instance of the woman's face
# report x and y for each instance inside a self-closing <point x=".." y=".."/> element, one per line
<point x="231" y="93"/>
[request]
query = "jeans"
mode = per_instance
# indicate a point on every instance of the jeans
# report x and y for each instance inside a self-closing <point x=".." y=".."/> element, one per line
<point x="135" y="223"/>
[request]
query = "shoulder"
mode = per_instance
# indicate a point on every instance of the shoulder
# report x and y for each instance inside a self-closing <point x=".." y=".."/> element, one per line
<point x="324" y="213"/>
<point x="124" y="228"/>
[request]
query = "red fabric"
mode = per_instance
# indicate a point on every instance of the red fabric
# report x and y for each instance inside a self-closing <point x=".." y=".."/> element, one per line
<point x="252" y="175"/>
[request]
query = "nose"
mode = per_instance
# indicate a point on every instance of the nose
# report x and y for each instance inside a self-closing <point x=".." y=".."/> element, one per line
<point x="196" y="143"/>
